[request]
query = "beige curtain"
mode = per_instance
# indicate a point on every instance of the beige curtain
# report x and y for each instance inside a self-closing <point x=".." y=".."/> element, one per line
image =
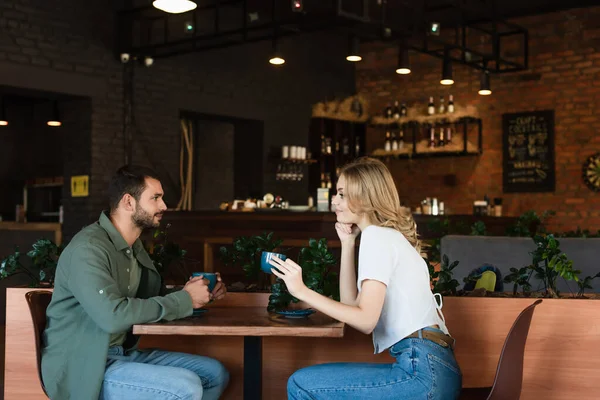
<point x="186" y="172"/>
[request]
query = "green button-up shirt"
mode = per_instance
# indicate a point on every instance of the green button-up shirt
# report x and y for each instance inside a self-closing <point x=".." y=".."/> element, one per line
<point x="90" y="303"/>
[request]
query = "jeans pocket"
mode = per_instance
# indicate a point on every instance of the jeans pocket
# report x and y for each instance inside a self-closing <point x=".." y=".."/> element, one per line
<point x="446" y="379"/>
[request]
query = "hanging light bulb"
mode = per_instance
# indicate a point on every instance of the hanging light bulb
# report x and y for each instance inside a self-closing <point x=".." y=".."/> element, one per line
<point x="485" y="89"/>
<point x="353" y="49"/>
<point x="276" y="56"/>
<point x="3" y="120"/>
<point x="403" y="60"/>
<point x="55" y="120"/>
<point x="174" y="6"/>
<point x="447" y="78"/>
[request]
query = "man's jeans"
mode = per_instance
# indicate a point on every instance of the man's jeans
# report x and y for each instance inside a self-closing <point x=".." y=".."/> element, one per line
<point x="423" y="370"/>
<point x="156" y="374"/>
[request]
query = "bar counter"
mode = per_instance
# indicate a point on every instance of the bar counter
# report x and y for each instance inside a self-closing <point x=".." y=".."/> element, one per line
<point x="201" y="233"/>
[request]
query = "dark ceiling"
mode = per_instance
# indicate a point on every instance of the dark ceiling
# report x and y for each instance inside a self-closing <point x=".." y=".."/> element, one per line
<point x="519" y="8"/>
<point x="222" y="23"/>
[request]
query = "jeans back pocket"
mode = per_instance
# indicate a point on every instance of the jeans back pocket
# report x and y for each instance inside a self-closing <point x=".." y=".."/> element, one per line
<point x="446" y="377"/>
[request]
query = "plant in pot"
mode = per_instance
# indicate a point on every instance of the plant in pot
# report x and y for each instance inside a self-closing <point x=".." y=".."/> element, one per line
<point x="245" y="252"/>
<point x="442" y="280"/>
<point x="41" y="267"/>
<point x="164" y="252"/>
<point x="549" y="263"/>
<point x="317" y="273"/>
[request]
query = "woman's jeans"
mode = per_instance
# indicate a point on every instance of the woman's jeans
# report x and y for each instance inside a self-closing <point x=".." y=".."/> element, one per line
<point x="164" y="375"/>
<point x="423" y="370"/>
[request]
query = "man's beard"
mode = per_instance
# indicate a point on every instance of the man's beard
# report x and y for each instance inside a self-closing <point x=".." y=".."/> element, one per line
<point x="143" y="219"/>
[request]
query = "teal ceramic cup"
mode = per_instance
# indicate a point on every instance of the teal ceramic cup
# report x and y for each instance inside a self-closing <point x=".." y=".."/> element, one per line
<point x="266" y="257"/>
<point x="211" y="277"/>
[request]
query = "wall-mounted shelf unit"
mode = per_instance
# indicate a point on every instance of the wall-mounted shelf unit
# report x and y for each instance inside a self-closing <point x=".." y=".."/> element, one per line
<point x="433" y="136"/>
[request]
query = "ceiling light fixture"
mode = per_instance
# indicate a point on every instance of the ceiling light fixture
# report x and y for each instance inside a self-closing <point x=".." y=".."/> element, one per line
<point x="276" y="56"/>
<point x="353" y="49"/>
<point x="55" y="120"/>
<point x="485" y="89"/>
<point x="3" y="120"/>
<point x="447" y="78"/>
<point x="174" y="6"/>
<point x="403" y="67"/>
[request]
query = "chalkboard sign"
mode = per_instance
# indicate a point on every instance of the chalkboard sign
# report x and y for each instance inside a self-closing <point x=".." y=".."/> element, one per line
<point x="528" y="152"/>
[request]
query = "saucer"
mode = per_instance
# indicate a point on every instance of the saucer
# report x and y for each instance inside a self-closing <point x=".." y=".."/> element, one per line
<point x="296" y="313"/>
<point x="199" y="311"/>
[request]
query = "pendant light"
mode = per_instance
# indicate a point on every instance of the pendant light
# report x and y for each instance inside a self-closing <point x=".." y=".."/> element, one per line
<point x="55" y="120"/>
<point x="485" y="89"/>
<point x="276" y="56"/>
<point x="3" y="120"/>
<point x="447" y="78"/>
<point x="403" y="67"/>
<point x="174" y="6"/>
<point x="353" y="49"/>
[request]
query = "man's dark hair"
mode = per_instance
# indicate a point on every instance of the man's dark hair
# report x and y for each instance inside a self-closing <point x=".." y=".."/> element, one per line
<point x="129" y="179"/>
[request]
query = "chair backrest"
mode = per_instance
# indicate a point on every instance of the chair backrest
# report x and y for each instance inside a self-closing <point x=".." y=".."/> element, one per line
<point x="509" y="374"/>
<point x="38" y="301"/>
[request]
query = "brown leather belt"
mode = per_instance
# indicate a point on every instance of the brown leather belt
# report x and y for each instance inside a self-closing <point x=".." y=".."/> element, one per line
<point x="436" y="337"/>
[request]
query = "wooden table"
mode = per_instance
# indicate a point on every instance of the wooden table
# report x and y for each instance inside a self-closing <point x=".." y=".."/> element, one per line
<point x="252" y="323"/>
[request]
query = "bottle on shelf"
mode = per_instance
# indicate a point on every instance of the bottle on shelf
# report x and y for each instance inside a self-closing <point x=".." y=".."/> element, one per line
<point x="327" y="145"/>
<point x="356" y="147"/>
<point x="450" y="104"/>
<point x="328" y="181"/>
<point x="442" y="106"/>
<point x="345" y="146"/>
<point x="401" y="139"/>
<point x="388" y="111"/>
<point x="403" y="110"/>
<point x="396" y="111"/>
<point x="434" y="206"/>
<point x="394" y="142"/>
<point x="337" y="147"/>
<point x="323" y="183"/>
<point x="430" y="106"/>
<point x="441" y="142"/>
<point x="432" y="138"/>
<point x="448" y="135"/>
<point x="323" y="146"/>
<point x="388" y="143"/>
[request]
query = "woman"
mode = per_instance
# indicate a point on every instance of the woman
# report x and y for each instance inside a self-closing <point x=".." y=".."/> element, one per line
<point x="392" y="299"/>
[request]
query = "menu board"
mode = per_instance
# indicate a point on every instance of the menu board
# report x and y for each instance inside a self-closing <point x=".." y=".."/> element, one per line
<point x="528" y="152"/>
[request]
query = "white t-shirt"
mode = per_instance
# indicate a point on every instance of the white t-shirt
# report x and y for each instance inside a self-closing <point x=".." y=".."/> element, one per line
<point x="386" y="256"/>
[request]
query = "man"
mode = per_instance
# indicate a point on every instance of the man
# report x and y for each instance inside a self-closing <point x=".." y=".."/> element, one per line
<point x="105" y="283"/>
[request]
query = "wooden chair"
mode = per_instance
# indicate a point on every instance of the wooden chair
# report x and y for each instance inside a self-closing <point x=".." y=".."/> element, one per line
<point x="509" y="373"/>
<point x="38" y="301"/>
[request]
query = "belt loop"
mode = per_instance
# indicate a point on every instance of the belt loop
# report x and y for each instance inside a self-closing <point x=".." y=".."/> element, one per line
<point x="420" y="333"/>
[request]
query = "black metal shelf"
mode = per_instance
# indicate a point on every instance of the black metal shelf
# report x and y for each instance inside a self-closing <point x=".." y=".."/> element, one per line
<point x="432" y="154"/>
<point x="417" y="128"/>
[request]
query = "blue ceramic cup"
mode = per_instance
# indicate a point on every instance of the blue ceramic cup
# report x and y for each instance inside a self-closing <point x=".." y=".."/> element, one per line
<point x="211" y="277"/>
<point x="266" y="257"/>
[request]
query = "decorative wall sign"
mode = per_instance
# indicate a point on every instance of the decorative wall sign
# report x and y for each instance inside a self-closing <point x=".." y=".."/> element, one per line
<point x="591" y="172"/>
<point x="528" y="152"/>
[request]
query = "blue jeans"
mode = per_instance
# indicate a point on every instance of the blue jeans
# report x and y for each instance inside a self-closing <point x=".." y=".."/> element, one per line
<point x="423" y="370"/>
<point x="164" y="375"/>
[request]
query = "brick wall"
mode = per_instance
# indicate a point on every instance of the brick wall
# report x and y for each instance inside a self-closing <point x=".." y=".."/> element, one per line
<point x="66" y="46"/>
<point x="564" y="75"/>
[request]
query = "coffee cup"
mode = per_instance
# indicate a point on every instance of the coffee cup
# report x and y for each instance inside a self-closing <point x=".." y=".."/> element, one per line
<point x="266" y="256"/>
<point x="211" y="277"/>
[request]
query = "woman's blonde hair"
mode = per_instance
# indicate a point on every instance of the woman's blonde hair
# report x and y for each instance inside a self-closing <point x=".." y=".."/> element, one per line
<point x="370" y="189"/>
